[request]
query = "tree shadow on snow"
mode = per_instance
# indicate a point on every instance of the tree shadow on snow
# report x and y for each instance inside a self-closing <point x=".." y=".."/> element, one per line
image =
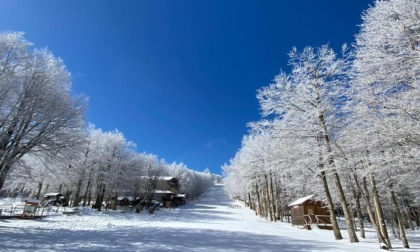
<point x="152" y="239"/>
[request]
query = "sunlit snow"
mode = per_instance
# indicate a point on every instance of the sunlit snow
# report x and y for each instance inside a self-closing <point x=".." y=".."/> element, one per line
<point x="208" y="224"/>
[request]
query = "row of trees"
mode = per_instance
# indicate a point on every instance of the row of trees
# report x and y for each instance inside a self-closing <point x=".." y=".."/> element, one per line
<point x="345" y="127"/>
<point x="104" y="167"/>
<point x="45" y="145"/>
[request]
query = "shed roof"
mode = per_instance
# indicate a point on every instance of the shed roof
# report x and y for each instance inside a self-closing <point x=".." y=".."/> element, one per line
<point x="301" y="200"/>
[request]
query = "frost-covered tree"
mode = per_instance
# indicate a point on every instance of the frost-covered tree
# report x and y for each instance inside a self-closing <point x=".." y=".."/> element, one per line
<point x="36" y="175"/>
<point x="43" y="142"/>
<point x="352" y="120"/>
<point x="309" y="99"/>
<point x="386" y="100"/>
<point x="112" y="152"/>
<point x="38" y="112"/>
<point x="192" y="183"/>
<point x="269" y="171"/>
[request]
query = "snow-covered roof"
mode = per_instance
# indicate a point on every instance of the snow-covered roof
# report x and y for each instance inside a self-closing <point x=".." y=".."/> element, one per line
<point x="122" y="197"/>
<point x="33" y="201"/>
<point x="158" y="178"/>
<point x="181" y="195"/>
<point x="163" y="191"/>
<point x="166" y="178"/>
<point x="52" y="194"/>
<point x="301" y="200"/>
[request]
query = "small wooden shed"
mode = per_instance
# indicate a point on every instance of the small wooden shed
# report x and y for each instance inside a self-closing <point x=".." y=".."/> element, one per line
<point x="308" y="210"/>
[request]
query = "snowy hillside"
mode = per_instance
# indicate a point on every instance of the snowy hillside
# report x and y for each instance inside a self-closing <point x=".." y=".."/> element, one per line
<point x="209" y="224"/>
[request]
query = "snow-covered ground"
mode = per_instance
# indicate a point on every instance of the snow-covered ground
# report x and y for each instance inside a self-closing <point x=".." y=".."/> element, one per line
<point x="210" y="224"/>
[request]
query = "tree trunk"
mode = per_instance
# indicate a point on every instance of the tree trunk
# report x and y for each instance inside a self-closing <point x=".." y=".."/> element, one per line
<point x="333" y="218"/>
<point x="394" y="232"/>
<point x="370" y="212"/>
<point x="360" y="214"/>
<point x="90" y="196"/>
<point x="400" y="218"/>
<point x="416" y="215"/>
<point x="100" y="198"/>
<point x="408" y="220"/>
<point x="339" y="188"/>
<point x="4" y="170"/>
<point x="76" y="198"/>
<point x="330" y="204"/>
<point x="379" y="212"/>
<point x="278" y="203"/>
<point x="250" y="202"/>
<point x="343" y="201"/>
<point x="38" y="194"/>
<point x="265" y="197"/>
<point x="98" y="201"/>
<point x="357" y="196"/>
<point x="259" y="208"/>
<point x="85" y="196"/>
<point x="269" y="205"/>
<point x="273" y="199"/>
<point x="411" y="211"/>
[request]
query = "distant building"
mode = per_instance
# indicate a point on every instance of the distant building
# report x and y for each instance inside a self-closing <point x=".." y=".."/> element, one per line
<point x="164" y="189"/>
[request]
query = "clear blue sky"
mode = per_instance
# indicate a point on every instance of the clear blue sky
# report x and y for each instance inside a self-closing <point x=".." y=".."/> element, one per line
<point x="179" y="78"/>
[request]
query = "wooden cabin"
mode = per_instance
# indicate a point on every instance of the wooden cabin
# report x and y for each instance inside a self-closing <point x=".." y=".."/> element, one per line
<point x="166" y="197"/>
<point x="159" y="183"/>
<point x="307" y="211"/>
<point x="167" y="184"/>
<point x="161" y="188"/>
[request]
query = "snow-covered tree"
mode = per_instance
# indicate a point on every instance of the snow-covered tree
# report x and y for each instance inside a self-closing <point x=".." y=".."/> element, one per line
<point x="192" y="183"/>
<point x="386" y="100"/>
<point x="38" y="112"/>
<point x="309" y="99"/>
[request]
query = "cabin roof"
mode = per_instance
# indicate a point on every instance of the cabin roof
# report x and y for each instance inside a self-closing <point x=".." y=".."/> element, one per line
<point x="52" y="194"/>
<point x="166" y="178"/>
<point x="301" y="200"/>
<point x="164" y="192"/>
<point x="122" y="197"/>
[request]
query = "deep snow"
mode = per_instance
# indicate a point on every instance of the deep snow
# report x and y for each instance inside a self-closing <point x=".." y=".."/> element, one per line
<point x="209" y="224"/>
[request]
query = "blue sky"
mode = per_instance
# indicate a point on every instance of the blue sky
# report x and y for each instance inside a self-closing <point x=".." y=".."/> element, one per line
<point x="179" y="78"/>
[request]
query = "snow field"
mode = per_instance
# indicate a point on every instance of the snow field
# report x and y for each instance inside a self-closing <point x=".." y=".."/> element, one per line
<point x="210" y="224"/>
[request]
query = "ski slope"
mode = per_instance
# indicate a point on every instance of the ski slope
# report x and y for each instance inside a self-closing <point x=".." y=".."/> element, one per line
<point x="209" y="224"/>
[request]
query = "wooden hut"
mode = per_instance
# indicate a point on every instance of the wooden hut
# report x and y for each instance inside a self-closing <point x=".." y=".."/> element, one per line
<point x="308" y="210"/>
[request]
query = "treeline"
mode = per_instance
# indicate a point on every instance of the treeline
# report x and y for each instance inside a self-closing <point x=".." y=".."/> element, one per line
<point x="45" y="145"/>
<point x="343" y="126"/>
